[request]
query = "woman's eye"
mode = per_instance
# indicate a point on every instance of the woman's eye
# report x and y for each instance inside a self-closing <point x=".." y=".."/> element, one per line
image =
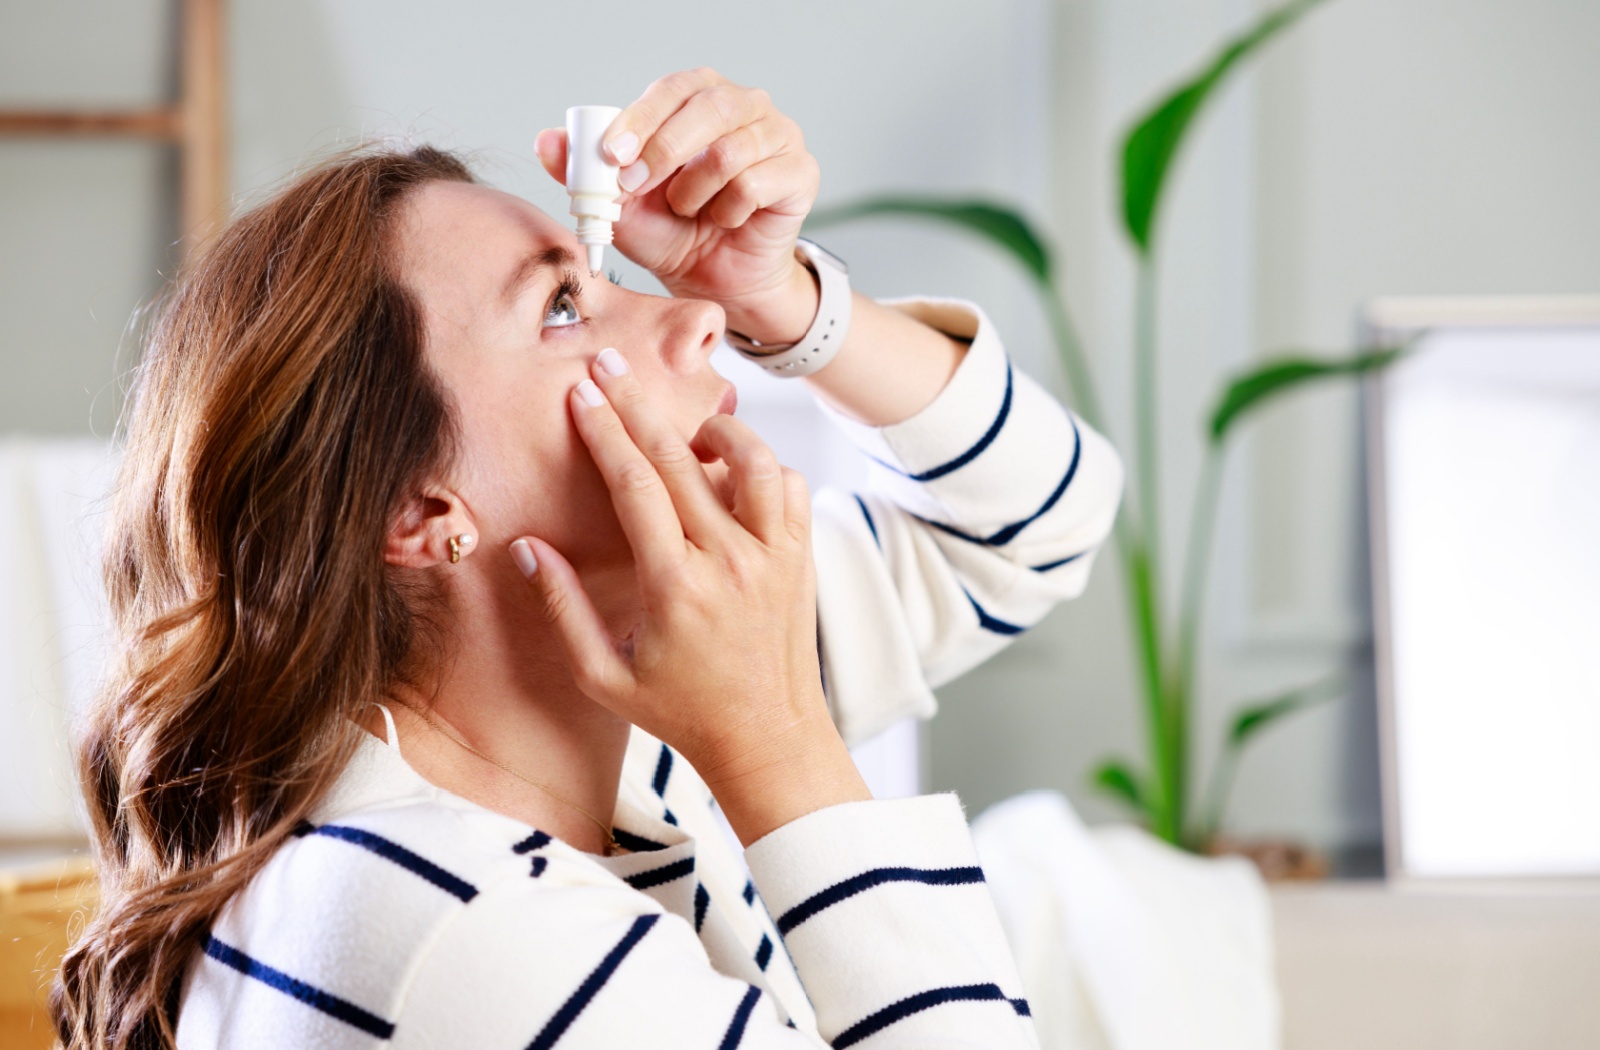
<point x="563" y="312"/>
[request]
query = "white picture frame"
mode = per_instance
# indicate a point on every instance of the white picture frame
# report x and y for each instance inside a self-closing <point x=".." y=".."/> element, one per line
<point x="1483" y="451"/>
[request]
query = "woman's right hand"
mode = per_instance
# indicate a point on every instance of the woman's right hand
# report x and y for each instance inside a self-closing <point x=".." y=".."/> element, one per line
<point x="722" y="661"/>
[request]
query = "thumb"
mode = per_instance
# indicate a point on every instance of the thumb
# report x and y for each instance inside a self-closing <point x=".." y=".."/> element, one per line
<point x="596" y="665"/>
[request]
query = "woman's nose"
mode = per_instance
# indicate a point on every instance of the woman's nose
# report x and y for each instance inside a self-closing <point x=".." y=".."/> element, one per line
<point x="694" y="328"/>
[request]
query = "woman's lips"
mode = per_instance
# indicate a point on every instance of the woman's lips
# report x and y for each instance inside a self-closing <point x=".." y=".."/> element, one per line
<point x="729" y="402"/>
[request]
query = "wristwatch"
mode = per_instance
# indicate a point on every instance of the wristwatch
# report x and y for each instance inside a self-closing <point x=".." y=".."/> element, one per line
<point x="826" y="334"/>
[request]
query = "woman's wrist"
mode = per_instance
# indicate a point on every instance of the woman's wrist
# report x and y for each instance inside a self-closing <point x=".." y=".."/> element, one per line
<point x="765" y="783"/>
<point x="779" y="316"/>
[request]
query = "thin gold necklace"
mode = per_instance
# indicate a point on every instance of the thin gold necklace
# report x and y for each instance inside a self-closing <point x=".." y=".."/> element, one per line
<point x="450" y="734"/>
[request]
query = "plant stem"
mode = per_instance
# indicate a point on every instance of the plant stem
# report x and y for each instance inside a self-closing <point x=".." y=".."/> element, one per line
<point x="1209" y="819"/>
<point x="1166" y="699"/>
<point x="1147" y="634"/>
<point x="1144" y="606"/>
<point x="1196" y="563"/>
<point x="1197" y="559"/>
<point x="1070" y="347"/>
<point x="1145" y="411"/>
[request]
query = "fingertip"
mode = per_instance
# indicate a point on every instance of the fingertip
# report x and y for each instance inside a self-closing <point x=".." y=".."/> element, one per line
<point x="623" y="147"/>
<point x="702" y="448"/>
<point x="527" y="561"/>
<point x="550" y="145"/>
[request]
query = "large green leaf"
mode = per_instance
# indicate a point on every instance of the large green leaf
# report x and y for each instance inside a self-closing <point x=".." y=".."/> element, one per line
<point x="1002" y="226"/>
<point x="1148" y="151"/>
<point x="1116" y="779"/>
<point x="1251" y="720"/>
<point x="1254" y="387"/>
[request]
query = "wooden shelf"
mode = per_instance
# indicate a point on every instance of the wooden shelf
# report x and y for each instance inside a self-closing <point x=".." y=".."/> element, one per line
<point x="162" y="124"/>
<point x="195" y="124"/>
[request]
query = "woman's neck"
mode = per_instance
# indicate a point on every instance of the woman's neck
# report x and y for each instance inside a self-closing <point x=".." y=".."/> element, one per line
<point x="503" y="724"/>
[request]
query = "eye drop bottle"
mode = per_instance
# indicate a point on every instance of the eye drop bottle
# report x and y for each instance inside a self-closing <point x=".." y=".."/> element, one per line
<point x="592" y="179"/>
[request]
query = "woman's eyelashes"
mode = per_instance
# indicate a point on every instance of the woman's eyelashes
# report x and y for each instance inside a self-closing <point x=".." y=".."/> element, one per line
<point x="563" y="309"/>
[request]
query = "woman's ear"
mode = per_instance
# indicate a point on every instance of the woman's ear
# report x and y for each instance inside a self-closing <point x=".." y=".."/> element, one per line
<point x="420" y="534"/>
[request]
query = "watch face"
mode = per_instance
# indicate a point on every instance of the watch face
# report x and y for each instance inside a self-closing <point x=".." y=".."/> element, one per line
<point x="818" y="252"/>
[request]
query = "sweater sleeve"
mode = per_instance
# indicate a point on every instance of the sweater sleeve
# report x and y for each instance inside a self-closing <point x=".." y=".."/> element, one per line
<point x="881" y="905"/>
<point x="982" y="512"/>
<point x="885" y="912"/>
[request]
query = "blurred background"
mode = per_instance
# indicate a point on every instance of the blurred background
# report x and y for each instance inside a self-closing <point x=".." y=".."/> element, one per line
<point x="1379" y="148"/>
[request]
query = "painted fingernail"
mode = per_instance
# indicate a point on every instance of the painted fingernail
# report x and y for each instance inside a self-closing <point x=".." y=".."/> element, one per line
<point x="633" y="176"/>
<point x="522" y="554"/>
<point x="590" y="393"/>
<point x="624" y="148"/>
<point x="612" y="362"/>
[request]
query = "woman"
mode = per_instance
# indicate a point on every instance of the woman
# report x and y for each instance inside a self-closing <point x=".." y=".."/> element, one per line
<point x="393" y="464"/>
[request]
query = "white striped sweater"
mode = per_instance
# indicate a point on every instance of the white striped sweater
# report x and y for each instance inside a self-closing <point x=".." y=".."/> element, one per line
<point x="409" y="917"/>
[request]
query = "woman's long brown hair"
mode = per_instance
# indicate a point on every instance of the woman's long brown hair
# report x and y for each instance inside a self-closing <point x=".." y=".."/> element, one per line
<point x="283" y="411"/>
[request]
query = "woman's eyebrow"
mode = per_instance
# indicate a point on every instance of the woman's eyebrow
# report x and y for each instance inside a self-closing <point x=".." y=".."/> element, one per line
<point x="530" y="265"/>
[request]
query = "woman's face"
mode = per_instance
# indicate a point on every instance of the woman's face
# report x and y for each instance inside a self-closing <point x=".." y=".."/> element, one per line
<point x="512" y="323"/>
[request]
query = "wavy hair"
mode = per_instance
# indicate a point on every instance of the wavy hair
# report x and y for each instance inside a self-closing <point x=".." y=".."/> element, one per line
<point x="282" y="413"/>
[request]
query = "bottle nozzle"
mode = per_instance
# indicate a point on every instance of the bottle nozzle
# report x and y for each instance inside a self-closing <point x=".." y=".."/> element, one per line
<point x="596" y="251"/>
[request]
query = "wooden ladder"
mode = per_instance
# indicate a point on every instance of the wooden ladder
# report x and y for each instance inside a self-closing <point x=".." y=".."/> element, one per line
<point x="196" y="123"/>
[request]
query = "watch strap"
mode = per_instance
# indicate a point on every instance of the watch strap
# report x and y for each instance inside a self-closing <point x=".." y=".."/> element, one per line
<point x="827" y="332"/>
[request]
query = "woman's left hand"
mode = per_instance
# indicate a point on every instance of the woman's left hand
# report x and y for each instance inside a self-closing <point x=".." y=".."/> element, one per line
<point x="718" y="183"/>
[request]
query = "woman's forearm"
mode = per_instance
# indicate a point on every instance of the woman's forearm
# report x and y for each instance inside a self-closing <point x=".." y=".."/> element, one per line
<point x="890" y="368"/>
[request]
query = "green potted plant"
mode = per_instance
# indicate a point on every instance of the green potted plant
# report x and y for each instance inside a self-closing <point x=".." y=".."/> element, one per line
<point x="1160" y="791"/>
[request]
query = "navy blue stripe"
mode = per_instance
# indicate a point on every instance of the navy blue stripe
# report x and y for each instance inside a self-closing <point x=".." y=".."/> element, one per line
<point x="764" y="952"/>
<point x="984" y="442"/>
<point x="538" y="840"/>
<point x="970" y="454"/>
<point x="865" y="513"/>
<point x="1047" y="566"/>
<point x="656" y="876"/>
<point x="991" y="623"/>
<point x="663" y="770"/>
<point x="1007" y="534"/>
<point x="667" y="816"/>
<point x="749" y="892"/>
<point x="915" y="1004"/>
<point x="702" y="900"/>
<point x="867" y="880"/>
<point x="635" y="843"/>
<point x="316" y="998"/>
<point x="421" y="866"/>
<point x="563" y="1018"/>
<point x="741" y="1017"/>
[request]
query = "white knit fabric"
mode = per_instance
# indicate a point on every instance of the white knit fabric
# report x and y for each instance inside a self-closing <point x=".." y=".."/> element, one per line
<point x="412" y="917"/>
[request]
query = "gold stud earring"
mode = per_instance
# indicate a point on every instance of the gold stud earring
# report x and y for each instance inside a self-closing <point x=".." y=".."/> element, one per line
<point x="458" y="542"/>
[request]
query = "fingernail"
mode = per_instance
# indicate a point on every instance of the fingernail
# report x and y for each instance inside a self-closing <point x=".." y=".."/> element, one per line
<point x="522" y="554"/>
<point x="633" y="176"/>
<point x="590" y="393"/>
<point x="612" y="362"/>
<point x="624" y="148"/>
